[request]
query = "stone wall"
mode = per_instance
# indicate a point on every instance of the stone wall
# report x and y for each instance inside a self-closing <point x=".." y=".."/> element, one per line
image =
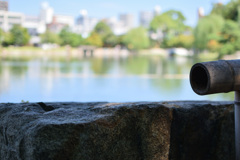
<point x="112" y="131"/>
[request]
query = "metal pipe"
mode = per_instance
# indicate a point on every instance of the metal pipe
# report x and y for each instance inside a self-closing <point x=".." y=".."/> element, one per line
<point x="219" y="77"/>
<point x="237" y="123"/>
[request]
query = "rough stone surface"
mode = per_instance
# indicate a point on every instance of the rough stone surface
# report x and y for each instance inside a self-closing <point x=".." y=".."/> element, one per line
<point x="111" y="131"/>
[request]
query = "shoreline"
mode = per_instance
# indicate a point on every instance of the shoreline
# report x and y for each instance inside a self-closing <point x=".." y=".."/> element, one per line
<point x="69" y="53"/>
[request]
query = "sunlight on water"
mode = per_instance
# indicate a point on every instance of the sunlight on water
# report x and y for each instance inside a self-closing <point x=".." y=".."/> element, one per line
<point x="136" y="78"/>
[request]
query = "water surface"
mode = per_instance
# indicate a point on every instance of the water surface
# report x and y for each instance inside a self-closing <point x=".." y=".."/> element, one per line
<point x="135" y="78"/>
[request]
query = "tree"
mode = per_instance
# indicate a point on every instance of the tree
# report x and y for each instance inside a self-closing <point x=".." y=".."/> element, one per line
<point x="230" y="11"/>
<point x="69" y="38"/>
<point x="170" y="20"/>
<point x="230" y="38"/>
<point x="94" y="39"/>
<point x="169" y="24"/>
<point x="76" y="40"/>
<point x="106" y="34"/>
<point x="19" y="35"/>
<point x="213" y="45"/>
<point x="136" y="39"/>
<point x="7" y="39"/>
<point x="50" y="37"/>
<point x="218" y="9"/>
<point x="185" y="41"/>
<point x="219" y="31"/>
<point x="1" y="36"/>
<point x="208" y="28"/>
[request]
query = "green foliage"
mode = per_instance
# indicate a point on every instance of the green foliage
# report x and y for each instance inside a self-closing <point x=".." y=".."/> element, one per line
<point x="230" y="11"/>
<point x="218" y="9"/>
<point x="170" y="20"/>
<point x="185" y="41"/>
<point x="69" y="38"/>
<point x="19" y="35"/>
<point x="213" y="45"/>
<point x="230" y="38"/>
<point x="50" y="37"/>
<point x="208" y="28"/>
<point x="94" y="39"/>
<point x="102" y="29"/>
<point x="7" y="39"/>
<point x="170" y="24"/>
<point x="106" y="34"/>
<point x="219" y="31"/>
<point x="227" y="48"/>
<point x="22" y="101"/>
<point x="230" y="31"/>
<point x="136" y="39"/>
<point x="110" y="40"/>
<point x="1" y="36"/>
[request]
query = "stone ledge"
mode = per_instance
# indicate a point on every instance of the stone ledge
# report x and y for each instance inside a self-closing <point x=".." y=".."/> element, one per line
<point x="178" y="130"/>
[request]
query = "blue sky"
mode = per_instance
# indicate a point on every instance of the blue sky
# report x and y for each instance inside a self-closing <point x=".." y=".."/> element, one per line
<point x="112" y="8"/>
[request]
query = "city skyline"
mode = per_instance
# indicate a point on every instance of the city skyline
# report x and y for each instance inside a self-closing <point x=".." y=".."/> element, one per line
<point x="107" y="8"/>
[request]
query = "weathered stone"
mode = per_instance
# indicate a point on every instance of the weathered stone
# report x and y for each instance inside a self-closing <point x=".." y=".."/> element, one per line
<point x="146" y="130"/>
<point x="203" y="131"/>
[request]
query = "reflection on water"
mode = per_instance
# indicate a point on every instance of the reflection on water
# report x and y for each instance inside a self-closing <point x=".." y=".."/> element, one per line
<point x="136" y="78"/>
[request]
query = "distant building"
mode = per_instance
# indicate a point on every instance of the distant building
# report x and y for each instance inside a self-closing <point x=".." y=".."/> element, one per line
<point x="157" y="10"/>
<point x="34" y="25"/>
<point x="85" y="24"/>
<point x="200" y="12"/>
<point x="83" y="19"/>
<point x="3" y="5"/>
<point x="64" y="19"/>
<point x="127" y="20"/>
<point x="146" y="18"/>
<point x="46" y="13"/>
<point x="116" y="26"/>
<point x="8" y="19"/>
<point x="59" y="22"/>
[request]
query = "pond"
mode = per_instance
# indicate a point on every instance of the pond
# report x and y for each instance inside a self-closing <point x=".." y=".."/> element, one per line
<point x="129" y="79"/>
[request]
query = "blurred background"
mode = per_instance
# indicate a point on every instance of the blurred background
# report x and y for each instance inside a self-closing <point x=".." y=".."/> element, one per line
<point x="112" y="51"/>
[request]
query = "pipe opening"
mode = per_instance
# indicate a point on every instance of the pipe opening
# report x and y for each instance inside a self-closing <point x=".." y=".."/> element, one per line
<point x="199" y="80"/>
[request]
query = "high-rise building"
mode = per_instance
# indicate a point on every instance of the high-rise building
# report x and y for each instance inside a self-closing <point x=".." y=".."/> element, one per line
<point x="85" y="24"/>
<point x="146" y="18"/>
<point x="83" y="18"/>
<point x="3" y="5"/>
<point x="157" y="10"/>
<point x="46" y="14"/>
<point x="116" y="26"/>
<point x="127" y="20"/>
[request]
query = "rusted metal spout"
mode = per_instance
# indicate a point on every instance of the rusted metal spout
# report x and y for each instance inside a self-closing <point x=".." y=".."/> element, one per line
<point x="219" y="77"/>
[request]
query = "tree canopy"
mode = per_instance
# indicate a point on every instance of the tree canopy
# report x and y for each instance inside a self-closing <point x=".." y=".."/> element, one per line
<point x="170" y="24"/>
<point x="19" y="35"/>
<point x="69" y="38"/>
<point x="220" y="30"/>
<point x="136" y="38"/>
<point x="106" y="34"/>
<point x="50" y="37"/>
<point x="170" y="20"/>
<point x="208" y="28"/>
